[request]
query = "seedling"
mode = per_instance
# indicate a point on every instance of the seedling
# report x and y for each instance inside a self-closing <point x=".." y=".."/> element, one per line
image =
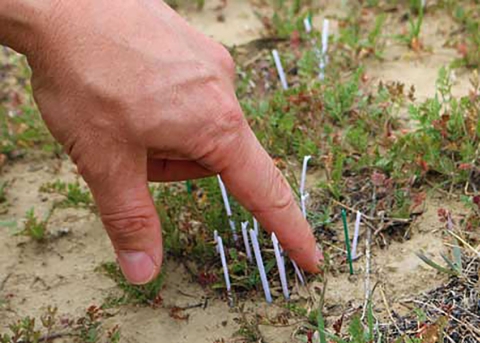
<point x="260" y="266"/>
<point x="450" y="269"/>
<point x="280" y="71"/>
<point x="468" y="45"/>
<point x="146" y="294"/>
<point x="87" y="328"/>
<point x="412" y="37"/>
<point x="359" y="46"/>
<point x="75" y="195"/>
<point x="357" y="331"/>
<point x="34" y="227"/>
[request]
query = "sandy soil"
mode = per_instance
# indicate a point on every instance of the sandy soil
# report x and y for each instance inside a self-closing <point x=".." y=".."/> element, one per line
<point x="62" y="273"/>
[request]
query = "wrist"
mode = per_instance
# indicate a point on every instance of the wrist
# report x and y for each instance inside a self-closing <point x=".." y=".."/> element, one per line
<point x="23" y="23"/>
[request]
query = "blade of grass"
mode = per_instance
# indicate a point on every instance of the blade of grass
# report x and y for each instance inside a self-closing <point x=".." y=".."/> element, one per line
<point x="451" y="264"/>
<point x="464" y="243"/>
<point x="435" y="265"/>
<point x="321" y="327"/>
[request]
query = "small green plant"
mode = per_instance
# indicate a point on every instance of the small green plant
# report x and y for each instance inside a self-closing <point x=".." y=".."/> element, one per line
<point x="24" y="130"/>
<point x="358" y="332"/>
<point x="24" y="330"/>
<point x="89" y="327"/>
<point x="446" y="140"/>
<point x="145" y="294"/>
<point x="85" y="329"/>
<point x="452" y="268"/>
<point x="34" y="227"/>
<point x="75" y="195"/>
<point x="356" y="43"/>
<point x="469" y="44"/>
<point x="412" y="36"/>
<point x="3" y="192"/>
<point x="287" y="17"/>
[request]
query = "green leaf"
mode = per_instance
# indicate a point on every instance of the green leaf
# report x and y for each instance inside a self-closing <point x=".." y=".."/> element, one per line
<point x="434" y="265"/>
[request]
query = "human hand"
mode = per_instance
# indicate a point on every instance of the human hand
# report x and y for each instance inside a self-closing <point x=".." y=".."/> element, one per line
<point x="134" y="94"/>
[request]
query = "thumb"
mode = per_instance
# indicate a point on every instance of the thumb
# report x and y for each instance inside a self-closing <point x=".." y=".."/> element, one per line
<point x="130" y="219"/>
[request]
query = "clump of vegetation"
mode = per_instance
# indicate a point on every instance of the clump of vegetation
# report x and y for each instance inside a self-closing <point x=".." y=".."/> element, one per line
<point x="34" y="227"/>
<point x="21" y="126"/>
<point x="287" y="18"/>
<point x="75" y="195"/>
<point x="469" y="43"/>
<point x="146" y="294"/>
<point x="88" y="328"/>
<point x="355" y="42"/>
<point x="3" y="197"/>
<point x="447" y="138"/>
<point x="412" y="36"/>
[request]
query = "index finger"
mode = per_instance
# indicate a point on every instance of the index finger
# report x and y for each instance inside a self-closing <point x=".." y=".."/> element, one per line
<point x="252" y="177"/>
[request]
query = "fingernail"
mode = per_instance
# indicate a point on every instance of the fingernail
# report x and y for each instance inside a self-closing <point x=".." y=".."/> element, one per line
<point x="137" y="266"/>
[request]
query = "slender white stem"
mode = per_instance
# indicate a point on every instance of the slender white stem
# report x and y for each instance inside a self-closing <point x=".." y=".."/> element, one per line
<point x="355" y="235"/>
<point x="224" y="263"/>
<point x="298" y="272"/>
<point x="303" y="202"/>
<point x="424" y="3"/>
<point x="281" y="266"/>
<point x="228" y="209"/>
<point x="303" y="178"/>
<point x="215" y="237"/>
<point x="226" y="202"/>
<point x="308" y="29"/>
<point x="246" y="241"/>
<point x="255" y="226"/>
<point x="367" y="271"/>
<point x="233" y="228"/>
<point x="326" y="24"/>
<point x="261" y="267"/>
<point x="281" y="72"/>
<point x="307" y="24"/>
<point x="324" y="57"/>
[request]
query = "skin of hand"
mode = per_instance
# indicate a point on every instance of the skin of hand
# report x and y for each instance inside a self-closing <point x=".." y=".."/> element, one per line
<point x="134" y="94"/>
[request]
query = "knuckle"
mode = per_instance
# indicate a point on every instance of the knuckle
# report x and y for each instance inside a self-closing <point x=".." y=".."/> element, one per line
<point x="91" y="170"/>
<point x="231" y="119"/>
<point x="282" y="194"/>
<point x="225" y="60"/>
<point x="123" y="225"/>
